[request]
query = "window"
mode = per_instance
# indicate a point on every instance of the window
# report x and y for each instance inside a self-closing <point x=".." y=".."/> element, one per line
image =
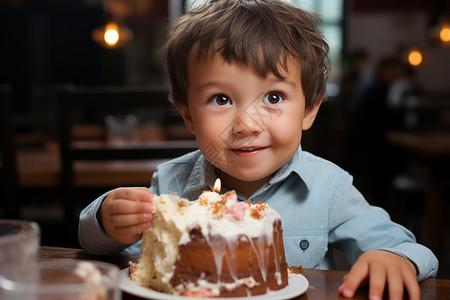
<point x="331" y="12"/>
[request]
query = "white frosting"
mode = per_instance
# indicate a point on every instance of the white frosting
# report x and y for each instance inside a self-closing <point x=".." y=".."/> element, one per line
<point x="204" y="214"/>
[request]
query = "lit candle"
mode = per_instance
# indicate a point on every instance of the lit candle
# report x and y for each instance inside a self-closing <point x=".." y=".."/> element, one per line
<point x="217" y="185"/>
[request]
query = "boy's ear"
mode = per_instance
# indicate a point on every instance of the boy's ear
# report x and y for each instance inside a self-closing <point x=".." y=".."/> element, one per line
<point x="184" y="112"/>
<point x="310" y="116"/>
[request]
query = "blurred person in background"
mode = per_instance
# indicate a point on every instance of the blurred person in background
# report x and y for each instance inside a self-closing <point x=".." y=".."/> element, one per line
<point x="373" y="110"/>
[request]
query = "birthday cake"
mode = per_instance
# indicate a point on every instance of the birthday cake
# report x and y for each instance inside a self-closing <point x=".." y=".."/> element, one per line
<point x="214" y="246"/>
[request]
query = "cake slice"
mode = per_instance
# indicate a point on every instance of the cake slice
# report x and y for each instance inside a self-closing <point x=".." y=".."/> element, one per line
<point x="214" y="246"/>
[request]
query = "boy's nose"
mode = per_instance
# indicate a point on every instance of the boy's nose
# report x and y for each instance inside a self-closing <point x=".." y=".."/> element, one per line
<point x="247" y="124"/>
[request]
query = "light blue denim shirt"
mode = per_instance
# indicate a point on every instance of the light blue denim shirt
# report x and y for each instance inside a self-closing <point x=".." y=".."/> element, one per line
<point x="319" y="206"/>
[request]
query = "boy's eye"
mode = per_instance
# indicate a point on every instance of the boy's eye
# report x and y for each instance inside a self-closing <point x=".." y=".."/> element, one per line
<point x="273" y="98"/>
<point x="220" y="100"/>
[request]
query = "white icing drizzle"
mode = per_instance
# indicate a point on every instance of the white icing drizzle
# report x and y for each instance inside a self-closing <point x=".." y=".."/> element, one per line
<point x="218" y="250"/>
<point x="231" y="263"/>
<point x="276" y="257"/>
<point x="278" y="277"/>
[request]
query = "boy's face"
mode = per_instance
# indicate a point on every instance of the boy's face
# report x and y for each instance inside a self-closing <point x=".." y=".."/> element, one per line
<point x="246" y="125"/>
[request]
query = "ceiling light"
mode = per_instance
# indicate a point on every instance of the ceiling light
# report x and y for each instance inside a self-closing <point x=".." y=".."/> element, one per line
<point x="112" y="35"/>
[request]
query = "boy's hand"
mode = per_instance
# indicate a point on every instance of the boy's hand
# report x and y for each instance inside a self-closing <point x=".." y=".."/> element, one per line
<point x="379" y="268"/>
<point x="126" y="213"/>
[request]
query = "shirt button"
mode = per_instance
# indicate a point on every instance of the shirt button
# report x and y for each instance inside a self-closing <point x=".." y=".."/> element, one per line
<point x="304" y="244"/>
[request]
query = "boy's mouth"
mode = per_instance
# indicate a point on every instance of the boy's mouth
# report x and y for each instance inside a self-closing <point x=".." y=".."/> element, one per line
<point x="248" y="150"/>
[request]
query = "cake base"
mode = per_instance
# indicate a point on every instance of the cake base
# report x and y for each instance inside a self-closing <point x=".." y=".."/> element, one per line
<point x="243" y="267"/>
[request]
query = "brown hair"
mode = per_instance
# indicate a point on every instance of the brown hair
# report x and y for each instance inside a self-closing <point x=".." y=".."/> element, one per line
<point x="259" y="33"/>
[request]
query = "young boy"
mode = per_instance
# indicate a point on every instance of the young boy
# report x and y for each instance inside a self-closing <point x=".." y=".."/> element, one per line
<point x="248" y="76"/>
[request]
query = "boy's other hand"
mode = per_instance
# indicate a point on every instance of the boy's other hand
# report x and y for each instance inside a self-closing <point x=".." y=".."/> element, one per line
<point x="126" y="213"/>
<point x="378" y="268"/>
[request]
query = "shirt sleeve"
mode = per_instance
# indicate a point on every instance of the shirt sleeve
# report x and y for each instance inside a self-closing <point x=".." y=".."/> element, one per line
<point x="356" y="227"/>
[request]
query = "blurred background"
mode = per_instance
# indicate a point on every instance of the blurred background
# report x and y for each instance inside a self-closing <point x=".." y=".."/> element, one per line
<point x="386" y="119"/>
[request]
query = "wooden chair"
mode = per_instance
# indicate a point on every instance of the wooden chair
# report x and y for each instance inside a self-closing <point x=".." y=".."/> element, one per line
<point x="8" y="167"/>
<point x="76" y="103"/>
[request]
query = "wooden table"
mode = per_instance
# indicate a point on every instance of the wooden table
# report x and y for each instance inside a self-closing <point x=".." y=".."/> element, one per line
<point x="434" y="149"/>
<point x="322" y="284"/>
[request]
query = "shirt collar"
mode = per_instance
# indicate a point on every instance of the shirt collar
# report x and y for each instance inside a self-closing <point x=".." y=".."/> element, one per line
<point x="204" y="174"/>
<point x="295" y="165"/>
<point x="202" y="178"/>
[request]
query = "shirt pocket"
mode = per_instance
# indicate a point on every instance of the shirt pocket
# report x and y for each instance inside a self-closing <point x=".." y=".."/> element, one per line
<point x="305" y="250"/>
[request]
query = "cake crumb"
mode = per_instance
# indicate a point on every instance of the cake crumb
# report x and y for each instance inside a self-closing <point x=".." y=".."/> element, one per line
<point x="295" y="269"/>
<point x="255" y="214"/>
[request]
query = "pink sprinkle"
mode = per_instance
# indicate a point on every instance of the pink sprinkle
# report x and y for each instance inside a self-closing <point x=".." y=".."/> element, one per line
<point x="232" y="196"/>
<point x="237" y="210"/>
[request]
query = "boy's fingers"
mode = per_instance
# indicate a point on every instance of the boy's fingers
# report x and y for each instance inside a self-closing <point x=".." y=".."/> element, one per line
<point x="353" y="279"/>
<point x="128" y="207"/>
<point x="131" y="234"/>
<point x="409" y="281"/>
<point x="412" y="286"/>
<point x="393" y="272"/>
<point x="377" y="281"/>
<point x="144" y="194"/>
<point x="139" y="194"/>
<point x="395" y="285"/>
<point x="130" y="219"/>
<point x="133" y="230"/>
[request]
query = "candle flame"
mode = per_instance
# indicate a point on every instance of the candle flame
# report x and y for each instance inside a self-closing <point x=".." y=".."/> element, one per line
<point x="217" y="185"/>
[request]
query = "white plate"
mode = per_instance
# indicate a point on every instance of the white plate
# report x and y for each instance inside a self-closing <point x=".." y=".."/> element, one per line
<point x="297" y="285"/>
